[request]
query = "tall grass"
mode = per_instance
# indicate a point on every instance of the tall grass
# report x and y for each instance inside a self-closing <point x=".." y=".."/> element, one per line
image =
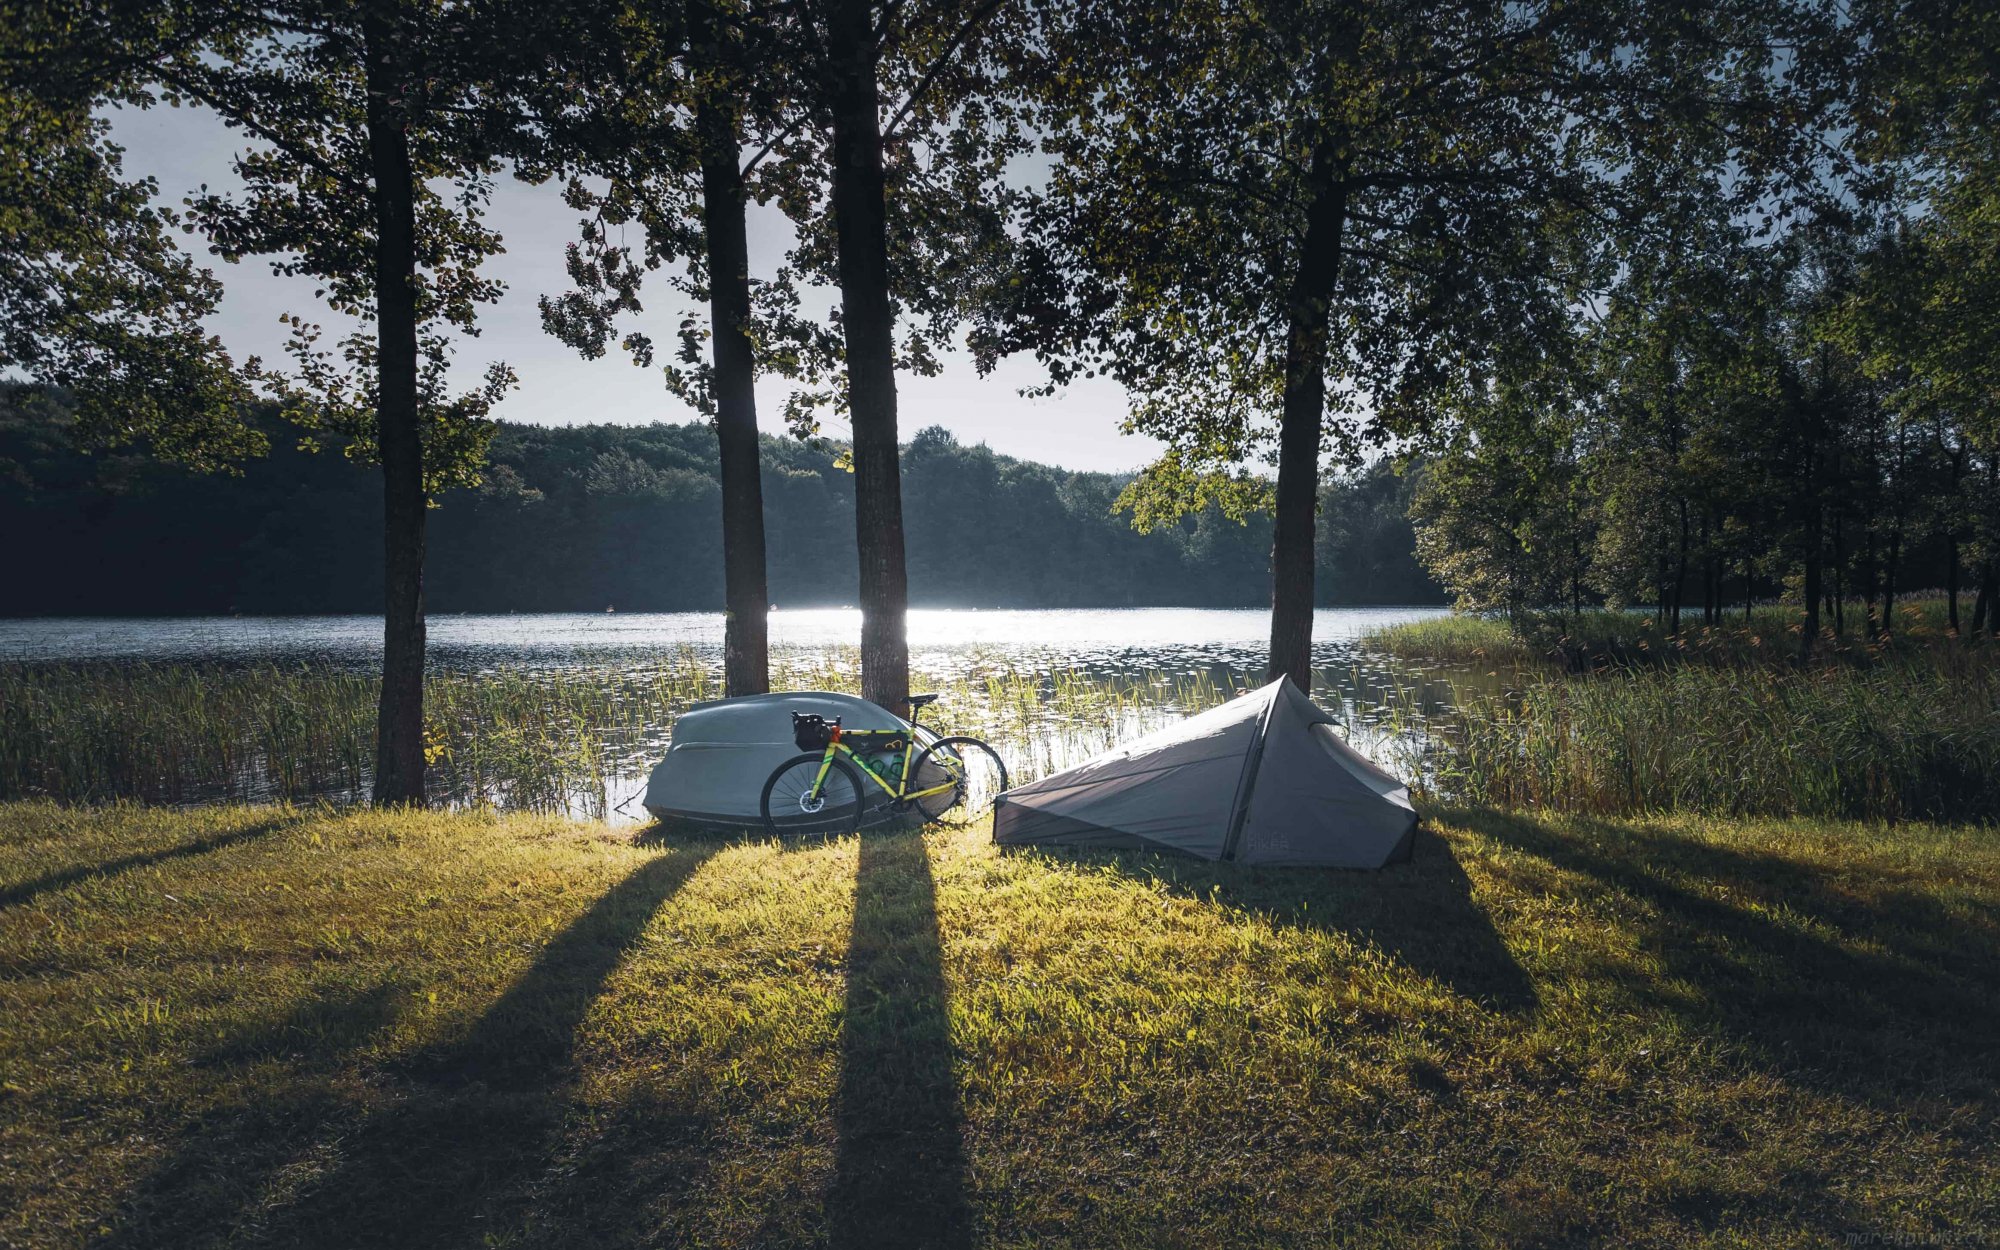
<point x="1912" y="738"/>
<point x="561" y="740"/>
<point x="1607" y="713"/>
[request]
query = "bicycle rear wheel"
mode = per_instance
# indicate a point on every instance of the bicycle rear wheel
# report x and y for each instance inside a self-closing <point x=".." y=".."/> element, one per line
<point x="791" y="809"/>
<point x="973" y="771"/>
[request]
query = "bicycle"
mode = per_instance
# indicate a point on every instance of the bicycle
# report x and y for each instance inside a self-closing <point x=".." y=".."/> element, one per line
<point x="821" y="792"/>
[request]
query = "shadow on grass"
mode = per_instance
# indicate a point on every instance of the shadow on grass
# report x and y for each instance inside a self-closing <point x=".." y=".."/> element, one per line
<point x="670" y="831"/>
<point x="1420" y="913"/>
<point x="900" y="1173"/>
<point x="1862" y="985"/>
<point x="455" y="1154"/>
<point x="14" y="895"/>
<point x="209" y="1190"/>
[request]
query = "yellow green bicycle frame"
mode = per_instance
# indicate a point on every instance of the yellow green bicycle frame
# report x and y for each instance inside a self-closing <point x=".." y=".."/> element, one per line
<point x="897" y="791"/>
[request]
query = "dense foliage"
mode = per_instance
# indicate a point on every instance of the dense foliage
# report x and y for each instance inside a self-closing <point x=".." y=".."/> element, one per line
<point x="585" y="517"/>
<point x="95" y="294"/>
<point x="1769" y="404"/>
<point x="1738" y="426"/>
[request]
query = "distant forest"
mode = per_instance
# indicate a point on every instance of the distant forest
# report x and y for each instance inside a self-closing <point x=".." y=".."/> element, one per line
<point x="588" y="517"/>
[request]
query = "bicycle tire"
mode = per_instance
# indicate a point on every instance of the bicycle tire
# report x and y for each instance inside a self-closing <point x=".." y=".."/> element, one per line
<point x="838" y="815"/>
<point x="979" y="783"/>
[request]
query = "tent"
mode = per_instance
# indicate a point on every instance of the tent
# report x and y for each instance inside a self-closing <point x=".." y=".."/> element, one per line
<point x="1263" y="779"/>
<point x="721" y="752"/>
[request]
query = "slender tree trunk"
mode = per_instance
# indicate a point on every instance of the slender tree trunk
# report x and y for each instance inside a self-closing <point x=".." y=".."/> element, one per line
<point x="861" y="229"/>
<point x="1986" y="604"/>
<point x="1951" y="569"/>
<point x="746" y="594"/>
<point x="1710" y="579"/>
<point x="1810" y="635"/>
<point x="1889" y="583"/>
<point x="1680" y="566"/>
<point x="1951" y="581"/>
<point x="1873" y="573"/>
<point x="1295" y="516"/>
<point x="399" y="727"/>
<point x="1815" y="549"/>
<point x="1838" y="595"/>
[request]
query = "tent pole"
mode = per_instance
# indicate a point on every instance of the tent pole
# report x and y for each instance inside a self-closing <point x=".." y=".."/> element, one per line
<point x="1239" y="810"/>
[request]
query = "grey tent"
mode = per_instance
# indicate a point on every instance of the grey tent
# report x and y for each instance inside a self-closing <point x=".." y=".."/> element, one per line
<point x="1263" y="779"/>
<point x="722" y="752"/>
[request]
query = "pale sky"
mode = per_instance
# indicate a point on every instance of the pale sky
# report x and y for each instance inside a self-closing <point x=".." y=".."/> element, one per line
<point x="186" y="148"/>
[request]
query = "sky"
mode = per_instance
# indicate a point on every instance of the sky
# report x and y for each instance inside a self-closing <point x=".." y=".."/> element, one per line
<point x="184" y="149"/>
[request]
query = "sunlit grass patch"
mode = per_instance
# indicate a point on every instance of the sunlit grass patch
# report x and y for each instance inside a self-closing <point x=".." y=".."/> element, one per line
<point x="1457" y="639"/>
<point x="1597" y="638"/>
<point x="278" y="1026"/>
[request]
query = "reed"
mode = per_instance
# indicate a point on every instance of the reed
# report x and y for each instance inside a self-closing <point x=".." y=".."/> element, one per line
<point x="568" y="740"/>
<point x="1914" y="737"/>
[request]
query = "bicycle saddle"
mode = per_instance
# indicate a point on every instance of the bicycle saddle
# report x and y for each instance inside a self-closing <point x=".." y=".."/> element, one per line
<point x="918" y="702"/>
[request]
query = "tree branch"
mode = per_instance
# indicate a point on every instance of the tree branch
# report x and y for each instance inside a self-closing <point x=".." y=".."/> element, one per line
<point x="937" y="66"/>
<point x="305" y="156"/>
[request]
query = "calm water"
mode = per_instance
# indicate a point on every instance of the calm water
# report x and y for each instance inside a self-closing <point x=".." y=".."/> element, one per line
<point x="1385" y="707"/>
<point x="1124" y="639"/>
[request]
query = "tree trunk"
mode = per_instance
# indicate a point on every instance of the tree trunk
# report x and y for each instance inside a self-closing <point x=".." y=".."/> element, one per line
<point x="1810" y="634"/>
<point x="746" y="595"/>
<point x="399" y="727"/>
<point x="1680" y="567"/>
<point x="1889" y="583"/>
<point x="1295" y="516"/>
<point x="1869" y="578"/>
<point x="1839" y="592"/>
<point x="1951" y="581"/>
<point x="1983" y="607"/>
<point x="1709" y="579"/>
<point x="1814" y="552"/>
<point x="1952" y="570"/>
<point x="861" y="232"/>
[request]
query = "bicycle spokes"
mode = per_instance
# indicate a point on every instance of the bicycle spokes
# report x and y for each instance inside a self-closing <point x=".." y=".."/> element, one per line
<point x="802" y="801"/>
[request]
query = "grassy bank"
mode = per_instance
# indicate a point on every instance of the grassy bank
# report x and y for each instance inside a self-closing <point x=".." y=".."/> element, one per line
<point x="1598" y="639"/>
<point x="1911" y="739"/>
<point x="1721" y="721"/>
<point x="265" y="1026"/>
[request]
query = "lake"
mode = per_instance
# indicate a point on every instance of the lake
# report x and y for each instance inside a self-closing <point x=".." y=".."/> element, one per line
<point x="941" y="640"/>
<point x="569" y="711"/>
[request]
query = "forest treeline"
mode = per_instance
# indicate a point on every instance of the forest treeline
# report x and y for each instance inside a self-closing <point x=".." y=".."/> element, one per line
<point x="581" y="518"/>
<point x="1813" y="422"/>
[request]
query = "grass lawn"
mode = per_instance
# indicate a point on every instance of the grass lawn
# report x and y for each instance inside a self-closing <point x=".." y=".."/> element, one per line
<point x="268" y="1026"/>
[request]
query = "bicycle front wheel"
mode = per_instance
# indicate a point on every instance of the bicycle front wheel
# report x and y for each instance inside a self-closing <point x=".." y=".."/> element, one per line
<point x="792" y="808"/>
<point x="958" y="775"/>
